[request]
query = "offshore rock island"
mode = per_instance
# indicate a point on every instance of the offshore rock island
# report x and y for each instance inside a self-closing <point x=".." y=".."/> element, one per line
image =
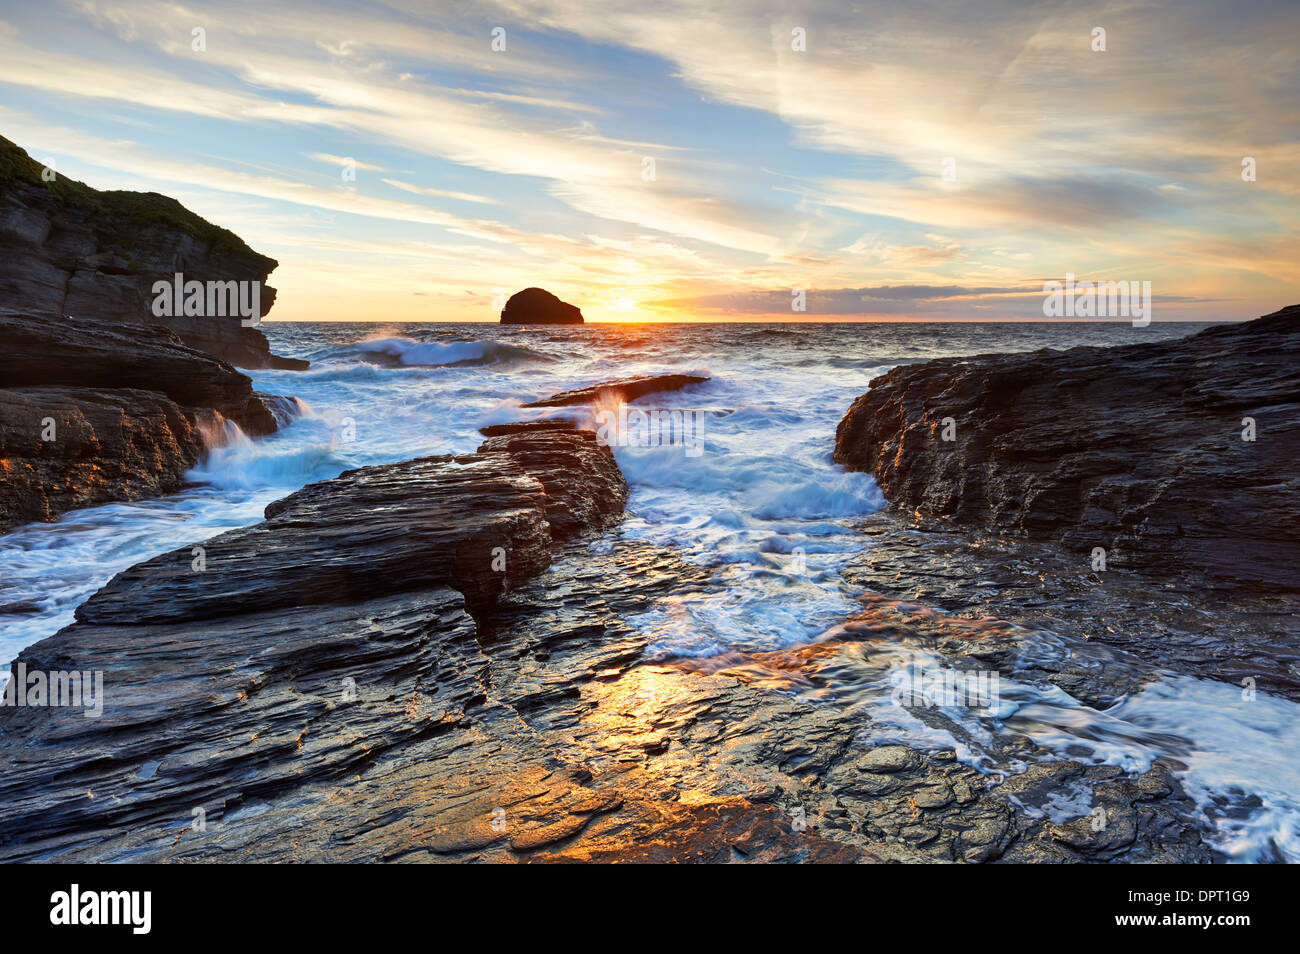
<point x="537" y="306"/>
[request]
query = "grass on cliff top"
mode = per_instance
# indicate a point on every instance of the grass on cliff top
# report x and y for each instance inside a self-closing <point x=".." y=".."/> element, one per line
<point x="142" y="207"/>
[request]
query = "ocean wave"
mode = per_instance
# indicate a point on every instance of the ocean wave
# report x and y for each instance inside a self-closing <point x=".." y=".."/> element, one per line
<point x="773" y="334"/>
<point x="242" y="463"/>
<point x="285" y="408"/>
<point x="437" y="354"/>
<point x="766" y="487"/>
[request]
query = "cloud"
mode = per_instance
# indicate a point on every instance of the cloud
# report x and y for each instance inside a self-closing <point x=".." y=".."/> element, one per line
<point x="441" y="193"/>
<point x="1023" y="301"/>
<point x="879" y="300"/>
<point x="343" y="161"/>
<point x="906" y="257"/>
<point x="776" y="167"/>
<point x="355" y="94"/>
<point x="1068" y="203"/>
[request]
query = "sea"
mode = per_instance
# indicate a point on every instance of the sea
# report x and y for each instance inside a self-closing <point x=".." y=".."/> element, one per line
<point x="756" y="489"/>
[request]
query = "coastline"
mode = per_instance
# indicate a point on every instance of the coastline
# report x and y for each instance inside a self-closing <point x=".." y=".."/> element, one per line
<point x="512" y="700"/>
<point x="493" y="655"/>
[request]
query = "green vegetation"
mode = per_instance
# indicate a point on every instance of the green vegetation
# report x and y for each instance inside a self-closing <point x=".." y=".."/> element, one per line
<point x="145" y="208"/>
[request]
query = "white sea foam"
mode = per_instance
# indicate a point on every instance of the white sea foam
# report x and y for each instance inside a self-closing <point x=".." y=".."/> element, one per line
<point x="437" y="354"/>
<point x="1230" y="753"/>
<point x="280" y="461"/>
<point x="1236" y="754"/>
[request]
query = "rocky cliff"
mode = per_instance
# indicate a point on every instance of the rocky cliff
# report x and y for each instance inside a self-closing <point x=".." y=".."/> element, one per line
<point x="68" y="249"/>
<point x="94" y="411"/>
<point x="1175" y="455"/>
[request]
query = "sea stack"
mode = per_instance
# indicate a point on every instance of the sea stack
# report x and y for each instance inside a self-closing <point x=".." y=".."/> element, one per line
<point x="537" y="306"/>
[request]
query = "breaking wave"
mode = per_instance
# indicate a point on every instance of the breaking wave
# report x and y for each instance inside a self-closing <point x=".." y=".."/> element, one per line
<point x="437" y="354"/>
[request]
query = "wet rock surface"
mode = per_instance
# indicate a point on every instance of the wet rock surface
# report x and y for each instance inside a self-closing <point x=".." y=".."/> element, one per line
<point x="479" y="523"/>
<point x="69" y="249"/>
<point x="1098" y="635"/>
<point x="537" y="306"/>
<point x="106" y="445"/>
<point x="625" y="390"/>
<point x="48" y="350"/>
<point x="401" y="707"/>
<point x="93" y="412"/>
<point x="1137" y="450"/>
<point x="1010" y="802"/>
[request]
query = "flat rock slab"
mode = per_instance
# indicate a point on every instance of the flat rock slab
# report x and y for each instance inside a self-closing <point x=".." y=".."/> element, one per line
<point x="550" y="423"/>
<point x="478" y="523"/>
<point x="1137" y="450"/>
<point x="625" y="390"/>
<point x="1110" y="632"/>
<point x="43" y="349"/>
<point x="200" y="716"/>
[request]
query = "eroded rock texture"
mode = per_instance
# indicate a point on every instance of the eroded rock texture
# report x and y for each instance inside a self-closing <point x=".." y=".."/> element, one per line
<point x="1137" y="450"/>
<point x="92" y="412"/>
<point x="1102" y="635"/>
<point x="68" y="249"/>
<point x="360" y="679"/>
<point x="477" y="523"/>
<point x="47" y="350"/>
<point x="105" y="445"/>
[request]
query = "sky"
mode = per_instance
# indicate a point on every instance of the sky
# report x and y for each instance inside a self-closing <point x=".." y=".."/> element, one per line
<point x="646" y="161"/>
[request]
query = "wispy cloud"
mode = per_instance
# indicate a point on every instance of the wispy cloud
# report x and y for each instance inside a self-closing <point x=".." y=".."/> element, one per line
<point x="344" y="161"/>
<point x="441" y="193"/>
<point x="697" y="157"/>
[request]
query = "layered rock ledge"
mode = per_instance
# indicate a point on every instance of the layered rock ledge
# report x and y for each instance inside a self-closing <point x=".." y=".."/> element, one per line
<point x="69" y="249"/>
<point x="220" y="668"/>
<point x="1137" y="450"/>
<point x="92" y="412"/>
<point x="477" y="523"/>
<point x="625" y="390"/>
<point x="428" y="661"/>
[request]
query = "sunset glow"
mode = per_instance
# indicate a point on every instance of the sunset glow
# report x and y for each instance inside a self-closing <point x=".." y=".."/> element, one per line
<point x="900" y="165"/>
<point x="608" y="432"/>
